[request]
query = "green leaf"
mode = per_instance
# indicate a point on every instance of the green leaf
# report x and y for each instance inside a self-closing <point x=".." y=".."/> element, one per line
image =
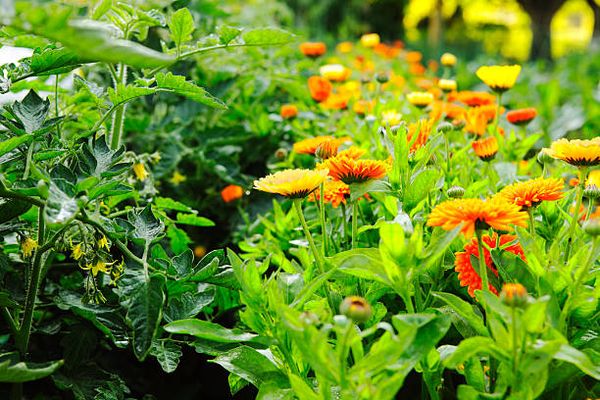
<point x="31" y="111"/>
<point x="422" y="183"/>
<point x="167" y="353"/>
<point x="474" y="346"/>
<point x="125" y="93"/>
<point x="60" y="207"/>
<point x="579" y="359"/>
<point x="179" y="239"/>
<point x="180" y="86"/>
<point x="465" y="310"/>
<point x="53" y="61"/>
<point x="145" y="225"/>
<point x="194" y="220"/>
<point x="9" y="145"/>
<point x="181" y="26"/>
<point x="12" y="208"/>
<point x="208" y="330"/>
<point x="253" y="366"/>
<point x="145" y="313"/>
<point x="11" y="370"/>
<point x="267" y="37"/>
<point x="357" y="190"/>
<point x="189" y="304"/>
<point x="363" y="263"/>
<point x="165" y="203"/>
<point x="101" y="8"/>
<point x="227" y="33"/>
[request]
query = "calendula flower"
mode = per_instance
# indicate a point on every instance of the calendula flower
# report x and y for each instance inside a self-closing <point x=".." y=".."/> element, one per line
<point x="77" y="251"/>
<point x="421" y="129"/>
<point x="513" y="294"/>
<point x="310" y="145"/>
<point x="447" y="85"/>
<point x="448" y="60"/>
<point x="579" y="153"/>
<point x="352" y="152"/>
<point x="370" y="40"/>
<point x="389" y="52"/>
<point x="533" y="192"/>
<point x="231" y="193"/>
<point x="420" y="99"/>
<point x="288" y="111"/>
<point x="28" y="246"/>
<point x="593" y="178"/>
<point x="336" y="101"/>
<point x="313" y="49"/>
<point x="446" y="109"/>
<point x="486" y="149"/>
<point x="391" y="117"/>
<point x="474" y="99"/>
<point x="292" y="183"/>
<point x="335" y="72"/>
<point x="413" y="57"/>
<point x="102" y="243"/>
<point x="140" y="171"/>
<point x="335" y="193"/>
<point x="499" y="78"/>
<point x="327" y="149"/>
<point x="344" y="47"/>
<point x="467" y="274"/>
<point x="363" y="107"/>
<point x="522" y="116"/>
<point x="177" y="178"/>
<point x="350" y="170"/>
<point x="320" y="88"/>
<point x="477" y="214"/>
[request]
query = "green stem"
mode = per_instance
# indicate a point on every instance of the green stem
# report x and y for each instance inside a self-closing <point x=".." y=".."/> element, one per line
<point x="12" y="324"/>
<point x="311" y="242"/>
<point x="119" y="117"/>
<point x="589" y="209"/>
<point x="497" y="116"/>
<point x="344" y="354"/>
<point x="482" y="267"/>
<point x="514" y="347"/>
<point x="574" y="221"/>
<point x="29" y="159"/>
<point x="354" y="224"/>
<point x="447" y="145"/>
<point x="344" y="225"/>
<point x="531" y="221"/>
<point x="56" y="104"/>
<point x="322" y="218"/>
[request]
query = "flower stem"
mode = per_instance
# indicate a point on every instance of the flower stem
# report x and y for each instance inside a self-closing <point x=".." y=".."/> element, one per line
<point x="514" y="347"/>
<point x="497" y="116"/>
<point x="482" y="267"/>
<point x="354" y="224"/>
<point x="531" y="221"/>
<point x="579" y="196"/>
<point x="447" y="144"/>
<point x="311" y="242"/>
<point x="322" y="218"/>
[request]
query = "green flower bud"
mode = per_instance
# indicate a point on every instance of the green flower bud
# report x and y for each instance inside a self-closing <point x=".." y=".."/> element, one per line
<point x="544" y="158"/>
<point x="455" y="192"/>
<point x="514" y="295"/>
<point x="382" y="77"/>
<point x="592" y="227"/>
<point x="356" y="308"/>
<point x="591" y="192"/>
<point x="445" y="127"/>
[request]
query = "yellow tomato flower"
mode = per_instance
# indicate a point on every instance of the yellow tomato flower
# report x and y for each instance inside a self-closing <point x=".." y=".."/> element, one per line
<point x="98" y="266"/>
<point x="28" y="245"/>
<point x="77" y="251"/>
<point x="177" y="178"/>
<point x="499" y="78"/>
<point x="292" y="183"/>
<point x="102" y="243"/>
<point x="140" y="171"/>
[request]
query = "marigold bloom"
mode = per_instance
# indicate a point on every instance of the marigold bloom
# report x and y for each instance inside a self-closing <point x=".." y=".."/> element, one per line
<point x="593" y="178"/>
<point x="422" y="129"/>
<point x="335" y="72"/>
<point x="531" y="193"/>
<point x="292" y="183"/>
<point x="490" y="111"/>
<point x="476" y="122"/>
<point x="477" y="214"/>
<point x="350" y="170"/>
<point x="474" y="99"/>
<point x="313" y="49"/>
<point x="335" y="193"/>
<point x="416" y="69"/>
<point x="231" y="193"/>
<point x="140" y="171"/>
<point x="579" y="153"/>
<point x="336" y="101"/>
<point x="413" y="56"/>
<point x="449" y="110"/>
<point x="420" y="99"/>
<point x="363" y="107"/>
<point x="370" y="40"/>
<point x="486" y="149"/>
<point x="386" y="51"/>
<point x="447" y="85"/>
<point x="28" y="246"/>
<point x="327" y="149"/>
<point x="522" y="116"/>
<point x="352" y="152"/>
<point x="448" y="60"/>
<point x="320" y="88"/>
<point x="309" y="146"/>
<point x="467" y="274"/>
<point x="499" y="78"/>
<point x="288" y="111"/>
<point x="391" y="117"/>
<point x="344" y="47"/>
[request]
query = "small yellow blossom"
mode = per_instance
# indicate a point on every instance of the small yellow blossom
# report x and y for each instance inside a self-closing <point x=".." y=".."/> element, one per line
<point x="77" y="251"/>
<point x="28" y="245"/>
<point x="140" y="171"/>
<point x="177" y="178"/>
<point x="102" y="243"/>
<point x="98" y="266"/>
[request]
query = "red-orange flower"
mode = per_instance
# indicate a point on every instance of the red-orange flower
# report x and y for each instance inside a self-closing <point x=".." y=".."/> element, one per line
<point x="288" y="111"/>
<point x="413" y="56"/>
<point x="350" y="170"/>
<point x="531" y="193"/>
<point x="310" y="145"/>
<point x="336" y="193"/>
<point x="313" y="49"/>
<point x="231" y="193"/>
<point x="336" y="101"/>
<point x="486" y="149"/>
<point x="467" y="274"/>
<point x="522" y="116"/>
<point x="320" y="88"/>
<point x="422" y="129"/>
<point x="475" y="99"/>
<point x="477" y="213"/>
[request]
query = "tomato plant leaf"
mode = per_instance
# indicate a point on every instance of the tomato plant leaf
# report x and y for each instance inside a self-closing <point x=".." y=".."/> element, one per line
<point x="179" y="85"/>
<point x="13" y="370"/>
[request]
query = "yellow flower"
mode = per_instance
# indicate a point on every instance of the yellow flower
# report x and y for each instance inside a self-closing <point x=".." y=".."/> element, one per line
<point x="499" y="78"/>
<point x="593" y="178"/>
<point x="293" y="183"/>
<point x="28" y="245"/>
<point x="391" y="117"/>
<point x="140" y="171"/>
<point x="350" y="170"/>
<point x="448" y="60"/>
<point x="531" y="193"/>
<point x="335" y="72"/>
<point x="77" y="251"/>
<point x="98" y="266"/>
<point x="344" y="47"/>
<point x="580" y="153"/>
<point x="370" y="40"/>
<point x="420" y="99"/>
<point x="486" y="149"/>
<point x="177" y="178"/>
<point x="447" y="85"/>
<point x="102" y="243"/>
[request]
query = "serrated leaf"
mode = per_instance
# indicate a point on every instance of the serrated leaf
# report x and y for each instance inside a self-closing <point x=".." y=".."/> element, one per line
<point x="227" y="33"/>
<point x="181" y="26"/>
<point x="145" y="225"/>
<point x="189" y="305"/>
<point x="208" y="330"/>
<point x="60" y="207"/>
<point x="267" y="37"/>
<point x="180" y="86"/>
<point x="11" y="370"/>
<point x="9" y="145"/>
<point x="31" y="111"/>
<point x="167" y="354"/>
<point x="166" y="203"/>
<point x="194" y="220"/>
<point x="53" y="61"/>
<point x="145" y="312"/>
<point x="125" y="93"/>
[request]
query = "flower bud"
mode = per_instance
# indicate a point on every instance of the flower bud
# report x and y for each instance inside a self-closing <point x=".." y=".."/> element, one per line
<point x="591" y="192"/>
<point x="458" y="124"/>
<point x="447" y="85"/>
<point x="43" y="189"/>
<point x="444" y="127"/>
<point x="544" y="158"/>
<point x="382" y="77"/>
<point x="455" y="192"/>
<point x="592" y="227"/>
<point x="448" y="60"/>
<point x="356" y="308"/>
<point x="514" y="295"/>
<point x="309" y="318"/>
<point x="280" y="154"/>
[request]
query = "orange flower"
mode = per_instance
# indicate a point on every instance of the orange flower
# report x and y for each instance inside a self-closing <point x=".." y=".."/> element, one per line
<point x="477" y="214"/>
<point x="336" y="193"/>
<point x="576" y="152"/>
<point x="231" y="193"/>
<point x="531" y="193"/>
<point x="350" y="170"/>
<point x="422" y="129"/>
<point x="288" y="111"/>
<point x="413" y="56"/>
<point x="416" y="69"/>
<point x="352" y="152"/>
<point x="490" y="110"/>
<point x="450" y="110"/>
<point x="336" y="101"/>
<point x="522" y="116"/>
<point x="467" y="274"/>
<point x="320" y="88"/>
<point x="309" y="146"/>
<point x="475" y="99"/>
<point x="327" y="149"/>
<point x="386" y="51"/>
<point x="344" y="47"/>
<point x="486" y="149"/>
<point x="476" y="122"/>
<point x="313" y="49"/>
<point x="363" y="107"/>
